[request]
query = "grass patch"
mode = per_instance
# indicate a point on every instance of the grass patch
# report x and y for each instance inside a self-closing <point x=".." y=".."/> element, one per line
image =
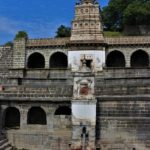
<point x="112" y="34"/>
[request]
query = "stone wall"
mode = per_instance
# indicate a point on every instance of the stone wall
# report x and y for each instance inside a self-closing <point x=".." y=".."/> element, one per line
<point x="5" y="60"/>
<point x="19" y="53"/>
<point x="127" y="51"/>
<point x="46" y="52"/>
<point x="56" y="133"/>
<point x="123" y="124"/>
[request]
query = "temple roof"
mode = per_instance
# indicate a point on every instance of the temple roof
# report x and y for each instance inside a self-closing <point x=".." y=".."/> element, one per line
<point x="125" y="40"/>
<point x="48" y="42"/>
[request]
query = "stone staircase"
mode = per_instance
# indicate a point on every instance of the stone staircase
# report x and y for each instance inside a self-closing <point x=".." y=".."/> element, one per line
<point x="4" y="143"/>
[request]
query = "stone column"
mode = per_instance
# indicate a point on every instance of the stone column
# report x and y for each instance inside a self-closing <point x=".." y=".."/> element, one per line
<point x="19" y="54"/>
<point x="23" y="117"/>
<point x="83" y="112"/>
<point x="50" y="118"/>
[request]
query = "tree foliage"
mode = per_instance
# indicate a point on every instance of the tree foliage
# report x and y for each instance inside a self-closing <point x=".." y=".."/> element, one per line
<point x="21" y="34"/>
<point x="137" y="13"/>
<point x="123" y="12"/>
<point x="63" y="31"/>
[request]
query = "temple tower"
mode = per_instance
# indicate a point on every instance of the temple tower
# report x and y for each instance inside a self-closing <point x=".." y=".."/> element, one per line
<point x="86" y="28"/>
<point x="87" y="24"/>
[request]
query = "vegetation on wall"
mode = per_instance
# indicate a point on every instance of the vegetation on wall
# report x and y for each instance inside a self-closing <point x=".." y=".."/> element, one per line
<point x="21" y="34"/>
<point x="9" y="43"/>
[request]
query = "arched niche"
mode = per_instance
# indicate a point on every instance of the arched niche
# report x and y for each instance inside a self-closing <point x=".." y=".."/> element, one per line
<point x="115" y="59"/>
<point x="63" y="110"/>
<point x="36" y="60"/>
<point x="59" y="60"/>
<point x="139" y="59"/>
<point x="36" y="115"/>
<point x="12" y="118"/>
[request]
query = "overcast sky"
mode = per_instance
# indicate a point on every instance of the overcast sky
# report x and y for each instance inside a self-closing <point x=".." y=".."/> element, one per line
<point x="40" y="18"/>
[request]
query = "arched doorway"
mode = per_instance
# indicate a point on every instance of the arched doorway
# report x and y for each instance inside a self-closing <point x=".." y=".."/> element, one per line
<point x="36" y="115"/>
<point x="115" y="59"/>
<point x="139" y="59"/>
<point x="36" y="60"/>
<point x="58" y="60"/>
<point x="12" y="118"/>
<point x="63" y="110"/>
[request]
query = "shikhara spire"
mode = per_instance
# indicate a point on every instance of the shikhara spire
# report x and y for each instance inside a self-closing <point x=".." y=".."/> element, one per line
<point x="87" y="24"/>
<point x="88" y="1"/>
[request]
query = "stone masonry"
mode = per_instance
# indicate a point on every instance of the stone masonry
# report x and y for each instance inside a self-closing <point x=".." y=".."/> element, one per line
<point x="86" y="92"/>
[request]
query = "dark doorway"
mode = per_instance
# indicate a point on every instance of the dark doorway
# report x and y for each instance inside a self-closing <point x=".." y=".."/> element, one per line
<point x="89" y="63"/>
<point x="12" y="118"/>
<point x="115" y="59"/>
<point x="64" y="110"/>
<point x="37" y="115"/>
<point x="36" y="60"/>
<point x="58" y="60"/>
<point x="139" y="59"/>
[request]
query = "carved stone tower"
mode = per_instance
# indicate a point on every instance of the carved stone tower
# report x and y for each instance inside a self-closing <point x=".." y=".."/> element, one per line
<point x="87" y="24"/>
<point x="86" y="28"/>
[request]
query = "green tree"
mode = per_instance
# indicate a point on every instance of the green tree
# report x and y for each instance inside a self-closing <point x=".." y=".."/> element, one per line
<point x="137" y="13"/>
<point x="119" y="13"/>
<point x="63" y="31"/>
<point x="21" y="34"/>
<point x="113" y="14"/>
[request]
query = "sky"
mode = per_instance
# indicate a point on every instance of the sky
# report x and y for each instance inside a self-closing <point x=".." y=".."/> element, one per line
<point x="39" y="18"/>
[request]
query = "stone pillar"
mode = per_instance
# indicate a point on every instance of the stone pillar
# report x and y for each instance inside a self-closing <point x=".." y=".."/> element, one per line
<point x="19" y="54"/>
<point x="50" y="118"/>
<point x="23" y="117"/>
<point x="83" y="112"/>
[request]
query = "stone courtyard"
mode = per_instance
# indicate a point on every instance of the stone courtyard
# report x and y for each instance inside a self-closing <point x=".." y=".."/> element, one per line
<point x="86" y="92"/>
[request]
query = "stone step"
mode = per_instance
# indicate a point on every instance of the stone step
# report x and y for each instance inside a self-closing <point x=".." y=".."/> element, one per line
<point x="9" y="148"/>
<point x="3" y="142"/>
<point x="5" y="146"/>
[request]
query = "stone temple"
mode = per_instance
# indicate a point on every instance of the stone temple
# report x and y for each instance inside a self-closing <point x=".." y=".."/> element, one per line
<point x="86" y="92"/>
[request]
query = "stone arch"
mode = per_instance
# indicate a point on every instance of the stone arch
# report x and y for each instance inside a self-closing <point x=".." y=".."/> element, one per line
<point x="58" y="60"/>
<point x="139" y="58"/>
<point x="36" y="115"/>
<point x="36" y="60"/>
<point x="12" y="118"/>
<point x="63" y="110"/>
<point x="115" y="59"/>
